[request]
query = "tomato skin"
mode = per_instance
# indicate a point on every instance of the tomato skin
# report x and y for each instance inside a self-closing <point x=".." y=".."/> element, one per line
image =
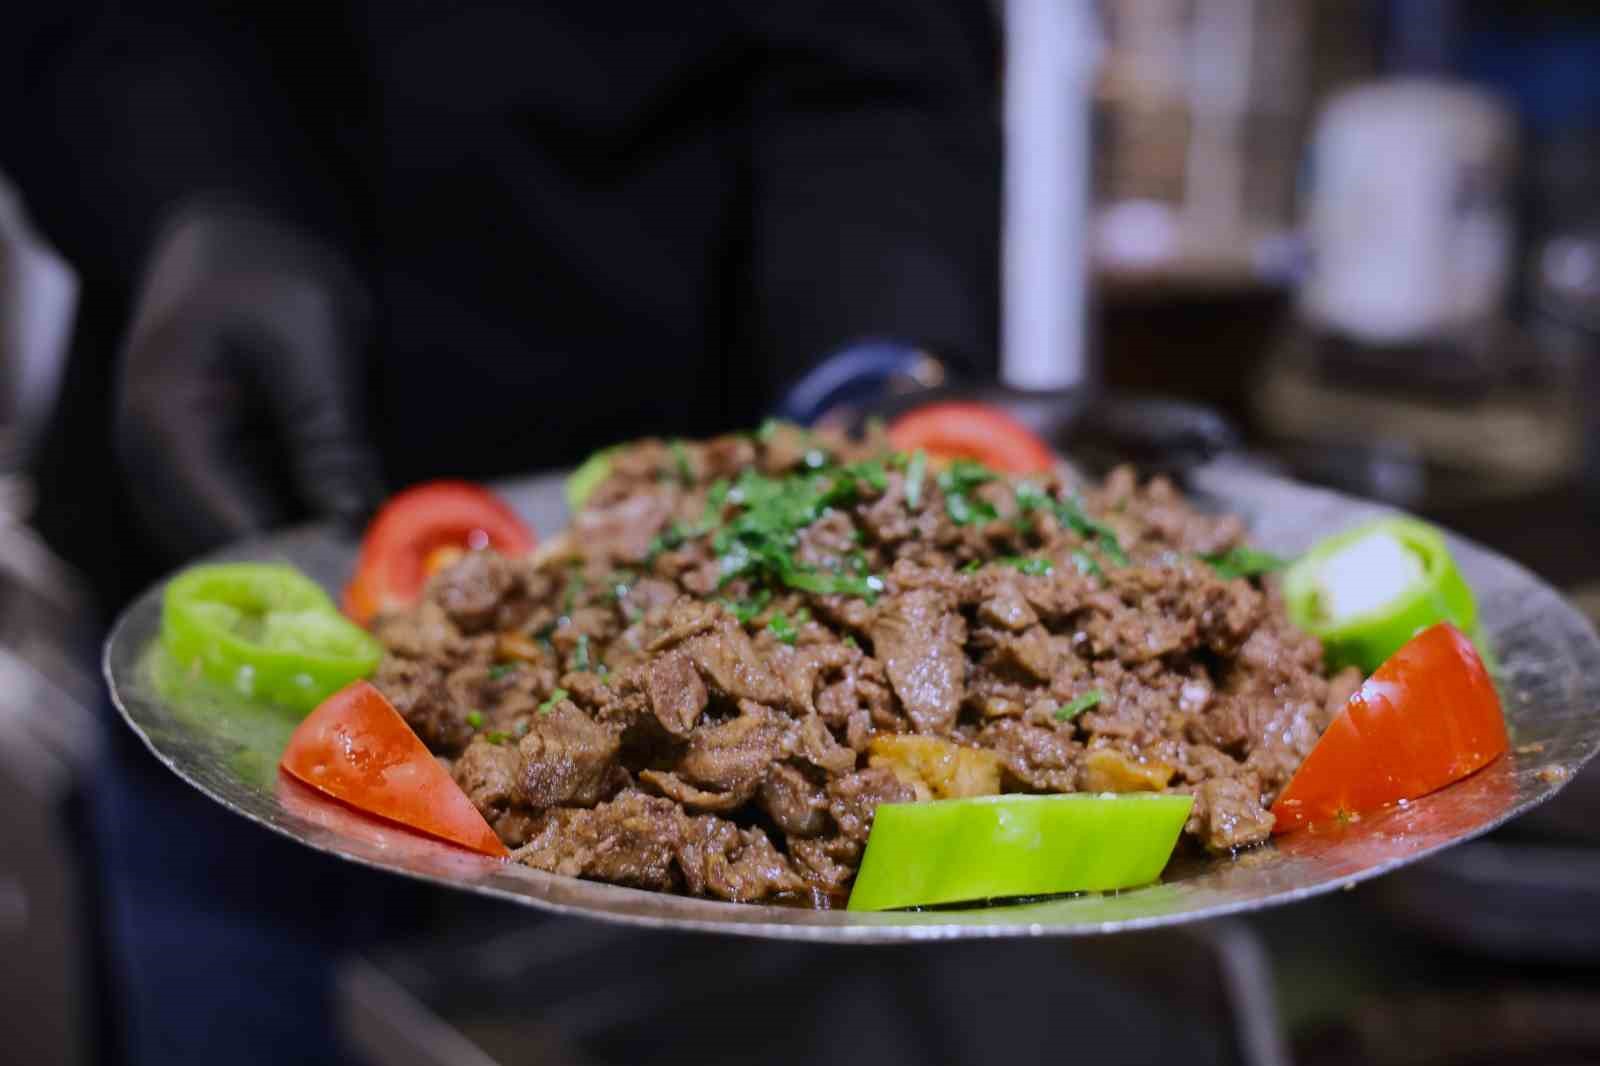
<point x="977" y="431"/>
<point x="356" y="748"/>
<point x="414" y="525"/>
<point x="1427" y="717"/>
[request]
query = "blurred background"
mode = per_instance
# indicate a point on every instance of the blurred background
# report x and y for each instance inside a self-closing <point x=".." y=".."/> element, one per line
<point x="1352" y="241"/>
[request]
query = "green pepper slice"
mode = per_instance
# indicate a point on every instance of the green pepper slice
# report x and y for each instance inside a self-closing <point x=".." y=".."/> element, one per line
<point x="582" y="482"/>
<point x="265" y="631"/>
<point x="1368" y="590"/>
<point x="997" y="847"/>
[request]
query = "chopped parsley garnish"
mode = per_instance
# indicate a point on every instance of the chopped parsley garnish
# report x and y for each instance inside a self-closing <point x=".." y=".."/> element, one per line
<point x="871" y="471"/>
<point x="747" y="610"/>
<point x="495" y="736"/>
<point x="716" y="496"/>
<point x="1086" y="565"/>
<point x="475" y="719"/>
<point x="1070" y="514"/>
<point x="973" y="567"/>
<point x="783" y="629"/>
<point x="680" y="457"/>
<point x="498" y="671"/>
<point x="679" y="533"/>
<point x="575" y="587"/>
<point x="758" y="543"/>
<point x="1082" y="703"/>
<point x="851" y="642"/>
<point x="1031" y="567"/>
<point x="916" y="470"/>
<point x="1244" y="562"/>
<point x="668" y="539"/>
<point x="957" y="481"/>
<point x="555" y="697"/>
<point x="1030" y="497"/>
<point x="580" y="658"/>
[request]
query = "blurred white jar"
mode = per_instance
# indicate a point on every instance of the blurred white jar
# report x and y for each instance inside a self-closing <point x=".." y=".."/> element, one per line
<point x="1408" y="215"/>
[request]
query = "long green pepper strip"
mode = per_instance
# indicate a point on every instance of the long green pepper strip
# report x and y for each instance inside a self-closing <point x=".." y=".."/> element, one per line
<point x="999" y="847"/>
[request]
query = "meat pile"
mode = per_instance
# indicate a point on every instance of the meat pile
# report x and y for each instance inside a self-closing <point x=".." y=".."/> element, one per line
<point x="635" y="704"/>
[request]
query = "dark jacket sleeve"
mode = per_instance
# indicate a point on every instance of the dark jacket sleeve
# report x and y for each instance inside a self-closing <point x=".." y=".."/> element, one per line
<point x="875" y="178"/>
<point x="130" y="110"/>
<point x="118" y="114"/>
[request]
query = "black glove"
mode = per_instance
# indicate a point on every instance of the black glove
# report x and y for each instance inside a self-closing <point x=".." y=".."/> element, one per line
<point x="238" y="403"/>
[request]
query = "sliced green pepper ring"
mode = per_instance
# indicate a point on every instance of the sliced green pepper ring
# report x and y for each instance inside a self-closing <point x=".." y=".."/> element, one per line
<point x="266" y="631"/>
<point x="1436" y="593"/>
<point x="998" y="847"/>
<point x="582" y="482"/>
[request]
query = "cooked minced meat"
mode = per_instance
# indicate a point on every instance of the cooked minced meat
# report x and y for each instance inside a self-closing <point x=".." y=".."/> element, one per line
<point x="683" y="691"/>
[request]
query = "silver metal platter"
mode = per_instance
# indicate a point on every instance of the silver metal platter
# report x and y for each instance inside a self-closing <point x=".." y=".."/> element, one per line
<point x="1548" y="672"/>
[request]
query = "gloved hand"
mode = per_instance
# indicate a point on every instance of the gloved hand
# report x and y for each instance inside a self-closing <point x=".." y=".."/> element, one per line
<point x="239" y="393"/>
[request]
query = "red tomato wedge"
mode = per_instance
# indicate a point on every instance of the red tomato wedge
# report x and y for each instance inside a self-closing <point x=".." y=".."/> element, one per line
<point x="1427" y="717"/>
<point x="356" y="748"/>
<point x="973" y="431"/>
<point x="418" y="531"/>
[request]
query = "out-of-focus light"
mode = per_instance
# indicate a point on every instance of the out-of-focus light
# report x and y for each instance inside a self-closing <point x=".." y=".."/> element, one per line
<point x="1136" y="234"/>
<point x="1570" y="264"/>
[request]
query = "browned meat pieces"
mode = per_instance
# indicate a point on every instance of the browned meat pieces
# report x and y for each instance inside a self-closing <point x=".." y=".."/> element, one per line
<point x="677" y="695"/>
<point x="567" y="758"/>
<point x="487" y="773"/>
<point x="827" y="862"/>
<point x="918" y="636"/>
<point x="854" y="798"/>
<point x="1028" y="655"/>
<point x="426" y="632"/>
<point x="725" y="762"/>
<point x="796" y="804"/>
<point x="418" y="691"/>
<point x="733" y="756"/>
<point x="811" y="742"/>
<point x="1284" y="701"/>
<point x="1035" y="758"/>
<point x="622" y="530"/>
<point x="471" y="589"/>
<point x="728" y="661"/>
<point x="801" y="668"/>
<point x="1228" y="814"/>
<point x="629" y="841"/>
<point x="694" y="706"/>
<point x="1007" y="608"/>
<point x="693" y="798"/>
<point x="1162" y="509"/>
<point x="719" y="859"/>
<point x="649" y="842"/>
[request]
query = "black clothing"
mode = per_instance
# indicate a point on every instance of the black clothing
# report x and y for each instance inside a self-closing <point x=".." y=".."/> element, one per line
<point x="579" y="222"/>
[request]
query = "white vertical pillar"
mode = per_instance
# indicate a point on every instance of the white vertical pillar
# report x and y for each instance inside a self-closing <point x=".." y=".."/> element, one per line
<point x="1052" y="49"/>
